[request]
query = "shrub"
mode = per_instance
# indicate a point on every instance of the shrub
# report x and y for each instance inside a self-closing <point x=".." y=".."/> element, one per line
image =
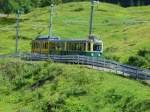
<point x="115" y="58"/>
<point x="112" y="96"/>
<point x="81" y="78"/>
<point x="79" y="9"/>
<point x="19" y="83"/>
<point x="143" y="106"/>
<point x="76" y="91"/>
<point x="111" y="49"/>
<point x="77" y="107"/>
<point x="127" y="103"/>
<point x="143" y="52"/>
<point x="136" y="61"/>
<point x="42" y="106"/>
<point x="141" y="59"/>
<point x="23" y="37"/>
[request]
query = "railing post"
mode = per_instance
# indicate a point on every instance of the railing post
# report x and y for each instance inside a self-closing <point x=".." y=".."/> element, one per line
<point x="78" y="59"/>
<point x="97" y="62"/>
<point x="109" y="66"/>
<point x="123" y="71"/>
<point x="82" y="60"/>
<point x="116" y="67"/>
<point x="93" y="62"/>
<point x="137" y="77"/>
<point x="86" y="60"/>
<point x="72" y="58"/>
<point x="104" y="64"/>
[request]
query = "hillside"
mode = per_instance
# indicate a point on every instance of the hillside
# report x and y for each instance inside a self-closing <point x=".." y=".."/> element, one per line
<point x="48" y="87"/>
<point x="123" y="30"/>
<point x="27" y="86"/>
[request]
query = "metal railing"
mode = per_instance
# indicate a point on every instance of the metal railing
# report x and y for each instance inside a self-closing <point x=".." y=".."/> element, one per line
<point x="10" y="55"/>
<point x="118" y="68"/>
<point x="125" y="70"/>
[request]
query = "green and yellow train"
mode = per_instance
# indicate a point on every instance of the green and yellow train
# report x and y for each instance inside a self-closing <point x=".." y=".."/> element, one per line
<point x="56" y="46"/>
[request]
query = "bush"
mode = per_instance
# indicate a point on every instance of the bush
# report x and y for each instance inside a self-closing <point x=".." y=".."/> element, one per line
<point x="79" y="9"/>
<point x="143" y="52"/>
<point x="143" y="106"/>
<point x="136" y="61"/>
<point x="19" y="83"/>
<point x="141" y="59"/>
<point x="76" y="107"/>
<point x="115" y="58"/>
<point x="42" y="106"/>
<point x="76" y="91"/>
<point x="22" y="37"/>
<point x="111" y="49"/>
<point x="112" y="96"/>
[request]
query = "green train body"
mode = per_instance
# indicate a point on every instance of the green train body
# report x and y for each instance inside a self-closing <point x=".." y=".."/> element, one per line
<point x="56" y="46"/>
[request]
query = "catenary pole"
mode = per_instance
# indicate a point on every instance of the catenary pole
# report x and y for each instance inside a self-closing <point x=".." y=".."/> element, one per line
<point x="50" y="21"/>
<point x="17" y="30"/>
<point x="91" y="17"/>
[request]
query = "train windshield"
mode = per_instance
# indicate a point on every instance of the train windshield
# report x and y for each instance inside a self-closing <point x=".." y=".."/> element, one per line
<point x="96" y="47"/>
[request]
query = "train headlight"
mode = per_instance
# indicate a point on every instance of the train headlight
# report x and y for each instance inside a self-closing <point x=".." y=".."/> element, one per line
<point x="92" y="54"/>
<point x="99" y="54"/>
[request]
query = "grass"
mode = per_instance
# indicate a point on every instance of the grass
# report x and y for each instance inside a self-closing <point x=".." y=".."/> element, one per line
<point x="69" y="88"/>
<point x="42" y="86"/>
<point x="124" y="29"/>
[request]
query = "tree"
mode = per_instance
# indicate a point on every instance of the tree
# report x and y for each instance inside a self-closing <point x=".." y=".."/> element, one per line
<point x="6" y="6"/>
<point x="43" y="3"/>
<point x="9" y="6"/>
<point x="24" y="5"/>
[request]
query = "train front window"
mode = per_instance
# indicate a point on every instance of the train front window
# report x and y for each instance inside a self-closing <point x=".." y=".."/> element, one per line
<point x="96" y="47"/>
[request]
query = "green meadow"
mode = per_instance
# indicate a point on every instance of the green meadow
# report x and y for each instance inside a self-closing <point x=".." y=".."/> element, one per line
<point x="31" y="86"/>
<point x="123" y="30"/>
<point x="48" y="87"/>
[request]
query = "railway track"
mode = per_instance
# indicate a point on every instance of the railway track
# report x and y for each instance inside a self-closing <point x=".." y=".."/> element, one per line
<point x="91" y="62"/>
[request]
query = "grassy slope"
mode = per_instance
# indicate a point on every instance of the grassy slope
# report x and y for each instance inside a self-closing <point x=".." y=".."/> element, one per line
<point x="73" y="88"/>
<point x="123" y="30"/>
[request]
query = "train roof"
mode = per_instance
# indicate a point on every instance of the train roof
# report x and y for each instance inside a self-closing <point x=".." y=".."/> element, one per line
<point x="44" y="37"/>
<point x="57" y="39"/>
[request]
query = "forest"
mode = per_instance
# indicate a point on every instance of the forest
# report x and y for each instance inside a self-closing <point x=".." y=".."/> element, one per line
<point x="9" y="6"/>
<point x="127" y="3"/>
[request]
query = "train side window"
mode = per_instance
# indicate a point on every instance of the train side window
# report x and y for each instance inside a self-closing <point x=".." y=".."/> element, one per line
<point x="96" y="47"/>
<point x="45" y="45"/>
<point x="34" y="45"/>
<point x="38" y="45"/>
<point x="42" y="45"/>
<point x="89" y="46"/>
<point x="84" y="48"/>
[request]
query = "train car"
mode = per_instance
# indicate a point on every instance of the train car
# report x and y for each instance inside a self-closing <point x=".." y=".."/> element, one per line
<point x="56" y="46"/>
